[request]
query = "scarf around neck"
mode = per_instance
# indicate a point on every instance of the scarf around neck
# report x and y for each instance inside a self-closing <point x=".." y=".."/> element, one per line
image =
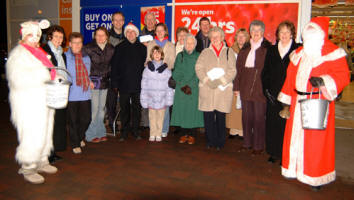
<point x="218" y="51"/>
<point x="283" y="50"/>
<point x="251" y="58"/>
<point x="161" y="43"/>
<point x="58" y="54"/>
<point x="41" y="55"/>
<point x="82" y="78"/>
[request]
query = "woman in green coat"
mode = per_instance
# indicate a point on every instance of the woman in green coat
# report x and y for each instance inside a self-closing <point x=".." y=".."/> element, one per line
<point x="185" y="111"/>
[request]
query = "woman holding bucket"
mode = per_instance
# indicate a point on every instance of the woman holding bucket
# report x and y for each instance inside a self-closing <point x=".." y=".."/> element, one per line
<point x="308" y="154"/>
<point x="56" y="40"/>
<point x="100" y="52"/>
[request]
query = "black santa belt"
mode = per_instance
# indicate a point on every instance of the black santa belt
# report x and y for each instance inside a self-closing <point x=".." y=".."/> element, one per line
<point x="305" y="93"/>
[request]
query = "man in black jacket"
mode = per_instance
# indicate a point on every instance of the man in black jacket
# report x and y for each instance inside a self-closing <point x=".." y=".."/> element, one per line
<point x="116" y="36"/>
<point x="127" y="68"/>
<point x="202" y="36"/>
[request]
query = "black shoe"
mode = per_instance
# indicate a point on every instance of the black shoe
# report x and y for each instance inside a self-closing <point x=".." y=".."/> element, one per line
<point x="232" y="136"/>
<point x="51" y="159"/>
<point x="272" y="159"/>
<point x="54" y="158"/>
<point x="177" y="131"/>
<point x="316" y="188"/>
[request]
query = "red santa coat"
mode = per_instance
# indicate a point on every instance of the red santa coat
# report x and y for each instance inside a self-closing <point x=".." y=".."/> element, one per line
<point x="309" y="155"/>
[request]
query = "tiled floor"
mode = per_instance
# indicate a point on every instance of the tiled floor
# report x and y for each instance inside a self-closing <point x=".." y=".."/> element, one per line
<point x="166" y="170"/>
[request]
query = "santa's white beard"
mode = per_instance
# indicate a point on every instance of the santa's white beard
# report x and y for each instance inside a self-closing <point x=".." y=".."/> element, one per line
<point x="313" y="46"/>
<point x="313" y="41"/>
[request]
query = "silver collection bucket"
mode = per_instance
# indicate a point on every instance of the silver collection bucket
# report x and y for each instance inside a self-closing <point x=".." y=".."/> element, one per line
<point x="57" y="91"/>
<point x="314" y="113"/>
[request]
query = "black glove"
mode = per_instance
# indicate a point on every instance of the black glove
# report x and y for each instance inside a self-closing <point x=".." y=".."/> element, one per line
<point x="270" y="97"/>
<point x="316" y="81"/>
<point x="162" y="68"/>
<point x="151" y="66"/>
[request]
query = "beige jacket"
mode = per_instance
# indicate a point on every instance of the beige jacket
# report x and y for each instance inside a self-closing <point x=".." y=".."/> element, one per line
<point x="169" y="50"/>
<point x="216" y="99"/>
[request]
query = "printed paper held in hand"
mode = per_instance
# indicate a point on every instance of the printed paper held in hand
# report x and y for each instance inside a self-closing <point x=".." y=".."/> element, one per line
<point x="216" y="73"/>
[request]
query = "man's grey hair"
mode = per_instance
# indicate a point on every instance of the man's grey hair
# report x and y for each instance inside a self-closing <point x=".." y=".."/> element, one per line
<point x="149" y="13"/>
<point x="218" y="30"/>
<point x="257" y="23"/>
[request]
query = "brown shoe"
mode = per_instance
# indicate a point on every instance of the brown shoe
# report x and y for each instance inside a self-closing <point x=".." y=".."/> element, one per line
<point x="191" y="140"/>
<point x="183" y="139"/>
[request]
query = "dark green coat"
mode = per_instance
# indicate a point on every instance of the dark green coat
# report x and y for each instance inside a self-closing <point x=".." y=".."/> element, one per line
<point x="185" y="111"/>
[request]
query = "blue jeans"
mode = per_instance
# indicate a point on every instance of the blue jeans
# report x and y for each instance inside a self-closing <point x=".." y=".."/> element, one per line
<point x="98" y="102"/>
<point x="166" y="121"/>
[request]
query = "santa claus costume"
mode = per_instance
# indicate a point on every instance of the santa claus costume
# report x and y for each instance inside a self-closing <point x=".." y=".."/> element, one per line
<point x="309" y="155"/>
<point x="27" y="71"/>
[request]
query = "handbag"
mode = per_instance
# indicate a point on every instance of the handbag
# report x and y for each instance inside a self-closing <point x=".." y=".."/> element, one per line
<point x="96" y="80"/>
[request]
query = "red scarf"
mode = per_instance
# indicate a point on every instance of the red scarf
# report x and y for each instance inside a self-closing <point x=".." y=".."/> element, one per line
<point x="82" y="78"/>
<point x="217" y="51"/>
<point x="165" y="38"/>
<point x="41" y="55"/>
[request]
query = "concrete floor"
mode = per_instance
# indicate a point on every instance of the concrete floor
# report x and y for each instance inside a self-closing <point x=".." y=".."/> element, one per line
<point x="168" y="170"/>
<point x="345" y="140"/>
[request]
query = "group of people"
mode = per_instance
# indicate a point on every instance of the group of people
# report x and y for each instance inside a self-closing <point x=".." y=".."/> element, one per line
<point x="247" y="88"/>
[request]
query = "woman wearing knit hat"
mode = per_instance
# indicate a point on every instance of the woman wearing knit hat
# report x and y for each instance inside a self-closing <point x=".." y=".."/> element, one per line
<point x="127" y="69"/>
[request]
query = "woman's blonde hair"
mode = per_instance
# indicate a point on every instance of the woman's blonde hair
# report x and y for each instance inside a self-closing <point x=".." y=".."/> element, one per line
<point x="236" y="46"/>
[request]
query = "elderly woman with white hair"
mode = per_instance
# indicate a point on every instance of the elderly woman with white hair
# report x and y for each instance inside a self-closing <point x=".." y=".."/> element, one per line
<point x="248" y="84"/>
<point x="215" y="69"/>
<point x="185" y="113"/>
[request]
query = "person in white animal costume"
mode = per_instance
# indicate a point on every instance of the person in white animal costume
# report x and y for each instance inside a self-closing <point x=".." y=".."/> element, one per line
<point x="27" y="71"/>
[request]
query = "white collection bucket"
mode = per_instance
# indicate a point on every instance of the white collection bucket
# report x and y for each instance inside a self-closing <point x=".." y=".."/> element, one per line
<point x="57" y="92"/>
<point x="314" y="113"/>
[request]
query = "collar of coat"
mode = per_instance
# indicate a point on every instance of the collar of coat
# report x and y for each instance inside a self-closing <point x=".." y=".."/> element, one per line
<point x="330" y="52"/>
<point x="265" y="44"/>
<point x="223" y="47"/>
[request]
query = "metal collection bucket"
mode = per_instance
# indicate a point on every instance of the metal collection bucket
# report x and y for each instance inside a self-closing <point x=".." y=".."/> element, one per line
<point x="314" y="113"/>
<point x="57" y="91"/>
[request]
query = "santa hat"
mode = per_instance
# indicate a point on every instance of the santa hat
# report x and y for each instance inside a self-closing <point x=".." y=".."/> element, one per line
<point x="131" y="26"/>
<point x="34" y="28"/>
<point x="319" y="25"/>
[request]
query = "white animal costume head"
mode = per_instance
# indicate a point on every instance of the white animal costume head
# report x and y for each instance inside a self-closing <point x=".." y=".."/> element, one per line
<point x="34" y="28"/>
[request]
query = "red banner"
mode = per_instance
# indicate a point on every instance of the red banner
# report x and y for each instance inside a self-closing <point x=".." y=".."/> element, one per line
<point x="231" y="17"/>
<point x="159" y="12"/>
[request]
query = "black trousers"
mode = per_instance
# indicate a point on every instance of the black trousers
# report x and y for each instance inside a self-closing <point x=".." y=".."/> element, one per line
<point x="111" y="103"/>
<point x="215" y="128"/>
<point x="59" y="130"/>
<point x="79" y="119"/>
<point x="130" y="110"/>
<point x="253" y="123"/>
